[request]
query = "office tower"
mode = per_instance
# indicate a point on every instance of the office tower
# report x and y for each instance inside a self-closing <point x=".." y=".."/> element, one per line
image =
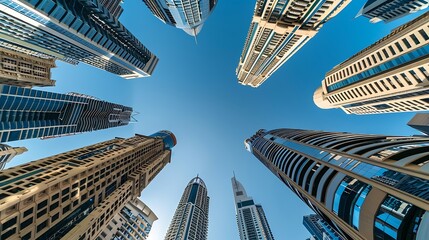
<point x="27" y="113"/>
<point x="278" y="30"/>
<point x="76" y="31"/>
<point x="391" y="75"/>
<point x="74" y="195"/>
<point x="8" y="152"/>
<point x="133" y="222"/>
<point x="364" y="186"/>
<point x="251" y="220"/>
<point x="319" y="228"/>
<point x="187" y="15"/>
<point x="389" y="10"/>
<point x="24" y="70"/>
<point x="420" y="122"/>
<point x="191" y="219"/>
<point x="113" y="6"/>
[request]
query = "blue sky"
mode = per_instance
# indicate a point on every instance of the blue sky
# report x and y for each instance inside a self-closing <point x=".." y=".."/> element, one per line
<point x="195" y="94"/>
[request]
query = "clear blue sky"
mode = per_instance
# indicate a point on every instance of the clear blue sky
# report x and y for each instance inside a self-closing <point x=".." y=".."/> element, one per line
<point x="195" y="94"/>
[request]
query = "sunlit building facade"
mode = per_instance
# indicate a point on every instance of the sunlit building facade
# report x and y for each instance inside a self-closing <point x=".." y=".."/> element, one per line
<point x="74" y="195"/>
<point x="319" y="228"/>
<point x="188" y="15"/>
<point x="27" y="113"/>
<point x="8" y="152"/>
<point x="251" y="220"/>
<point x="278" y="30"/>
<point x="191" y="219"/>
<point x="391" y="75"/>
<point x="420" y="122"/>
<point x="76" y="31"/>
<point x="364" y="186"/>
<point x="389" y="10"/>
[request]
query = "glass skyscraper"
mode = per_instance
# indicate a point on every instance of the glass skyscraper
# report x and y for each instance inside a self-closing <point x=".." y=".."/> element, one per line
<point x="188" y="15"/>
<point x="191" y="219"/>
<point x="27" y="113"/>
<point x="76" y="31"/>
<point x="364" y="186"/>
<point x="75" y="195"/>
<point x="319" y="228"/>
<point x="389" y="10"/>
<point x="251" y="220"/>
<point x="7" y="153"/>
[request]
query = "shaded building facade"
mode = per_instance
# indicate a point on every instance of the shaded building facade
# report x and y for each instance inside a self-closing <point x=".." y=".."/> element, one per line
<point x="27" y="113"/>
<point x="319" y="228"/>
<point x="389" y="10"/>
<point x="420" y="122"/>
<point x="364" y="186"/>
<point x="8" y="152"/>
<point x="191" y="219"/>
<point x="74" y="195"/>
<point x="278" y="30"/>
<point x="391" y="75"/>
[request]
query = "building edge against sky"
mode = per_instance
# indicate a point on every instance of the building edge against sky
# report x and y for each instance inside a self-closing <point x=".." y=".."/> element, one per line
<point x="68" y="196"/>
<point x="8" y="152"/>
<point x="420" y="122"/>
<point x="390" y="10"/>
<point x="277" y="31"/>
<point x="364" y="186"/>
<point x="391" y="75"/>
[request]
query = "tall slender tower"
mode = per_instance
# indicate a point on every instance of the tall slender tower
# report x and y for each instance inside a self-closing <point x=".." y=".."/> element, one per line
<point x="364" y="186"/>
<point x="391" y="75"/>
<point x="187" y="15"/>
<point x="389" y="10"/>
<point x="76" y="31"/>
<point x="28" y="113"/>
<point x="279" y="28"/>
<point x="74" y="195"/>
<point x="251" y="220"/>
<point x="191" y="219"/>
<point x="7" y="153"/>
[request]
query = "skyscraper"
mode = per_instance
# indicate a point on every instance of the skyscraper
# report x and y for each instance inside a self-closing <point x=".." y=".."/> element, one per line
<point x="191" y="219"/>
<point x="7" y="153"/>
<point x="74" y="195"/>
<point x="187" y="15"/>
<point x="251" y="220"/>
<point x="420" y="122"/>
<point x="133" y="222"/>
<point x="391" y="75"/>
<point x="278" y="30"/>
<point x="28" y="113"/>
<point x="76" y="31"/>
<point x="389" y="10"/>
<point x="319" y="228"/>
<point x="364" y="186"/>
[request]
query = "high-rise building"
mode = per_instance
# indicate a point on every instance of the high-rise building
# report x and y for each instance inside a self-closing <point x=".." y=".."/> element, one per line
<point x="319" y="228"/>
<point x="8" y="152"/>
<point x="420" y="122"/>
<point x="133" y="222"/>
<point x="389" y="10"/>
<point x="187" y="15"/>
<point x="113" y="6"/>
<point x="28" y="113"/>
<point x="191" y="219"/>
<point x="74" y="195"/>
<point x="251" y="220"/>
<point x="391" y="75"/>
<point x="364" y="186"/>
<point x="76" y="31"/>
<point x="278" y="30"/>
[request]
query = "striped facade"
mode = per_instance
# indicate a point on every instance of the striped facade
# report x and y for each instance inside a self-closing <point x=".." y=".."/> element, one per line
<point x="75" y="31"/>
<point x="364" y="186"/>
<point x="113" y="6"/>
<point x="74" y="195"/>
<point x="319" y="228"/>
<point x="191" y="219"/>
<point x="188" y="15"/>
<point x="27" y="113"/>
<point x="7" y="153"/>
<point x="389" y="10"/>
<point x="391" y="75"/>
<point x="279" y="28"/>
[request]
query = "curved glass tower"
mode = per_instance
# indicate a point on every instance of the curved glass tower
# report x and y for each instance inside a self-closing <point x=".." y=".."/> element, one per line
<point x="365" y="186"/>
<point x="191" y="219"/>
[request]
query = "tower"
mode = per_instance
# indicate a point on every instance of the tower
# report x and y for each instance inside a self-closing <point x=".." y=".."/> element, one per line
<point x="251" y="220"/>
<point x="191" y="219"/>
<point x="7" y="153"/>
<point x="391" y="75"/>
<point x="74" y="195"/>
<point x="28" y="113"/>
<point x="389" y="10"/>
<point x="364" y="186"/>
<point x="420" y="122"/>
<point x="278" y="30"/>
